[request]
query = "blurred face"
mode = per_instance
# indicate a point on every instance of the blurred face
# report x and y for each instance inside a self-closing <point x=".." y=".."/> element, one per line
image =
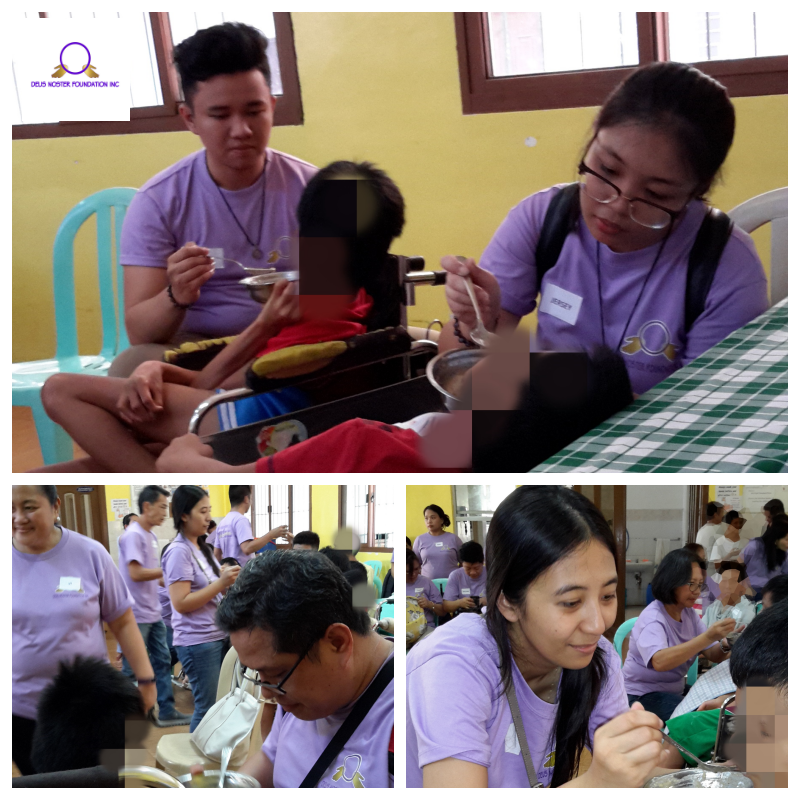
<point x="686" y="596"/>
<point x="760" y="743"/>
<point x="644" y="163"/>
<point x="766" y="600"/>
<point x="317" y="687"/>
<point x="730" y="590"/>
<point x="413" y="571"/>
<point x="433" y="521"/>
<point x="702" y="553"/>
<point x="566" y="609"/>
<point x="474" y="570"/>
<point x="767" y="516"/>
<point x="33" y="516"/>
<point x="232" y="115"/>
<point x="156" y="512"/>
<point x="783" y="544"/>
<point x="196" y="523"/>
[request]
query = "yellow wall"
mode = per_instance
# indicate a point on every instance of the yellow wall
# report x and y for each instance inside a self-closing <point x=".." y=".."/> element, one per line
<point x="417" y="497"/>
<point x="377" y="86"/>
<point x="325" y="513"/>
<point x="118" y="493"/>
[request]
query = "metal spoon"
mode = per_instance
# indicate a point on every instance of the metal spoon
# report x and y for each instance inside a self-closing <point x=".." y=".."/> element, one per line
<point x="479" y="334"/>
<point x="223" y="767"/>
<point x="707" y="765"/>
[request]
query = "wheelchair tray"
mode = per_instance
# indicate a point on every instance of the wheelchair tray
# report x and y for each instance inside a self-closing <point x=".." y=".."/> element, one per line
<point x="398" y="402"/>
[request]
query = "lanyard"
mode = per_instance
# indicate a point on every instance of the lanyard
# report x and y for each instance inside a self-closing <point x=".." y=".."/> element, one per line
<point x="511" y="694"/>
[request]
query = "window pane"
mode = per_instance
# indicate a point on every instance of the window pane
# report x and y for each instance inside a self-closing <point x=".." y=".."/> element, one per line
<point x="357" y="511"/>
<point x="475" y="506"/>
<point x="718" y="35"/>
<point x="280" y="508"/>
<point x="389" y="502"/>
<point x="529" y="42"/>
<point x="186" y="23"/>
<point x="261" y="522"/>
<point x="301" y="507"/>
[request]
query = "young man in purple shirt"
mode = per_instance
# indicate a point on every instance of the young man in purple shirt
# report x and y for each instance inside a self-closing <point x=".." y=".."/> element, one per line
<point x="235" y="199"/>
<point x="291" y="618"/>
<point x="140" y="570"/>
<point x="468" y="581"/>
<point x="234" y="538"/>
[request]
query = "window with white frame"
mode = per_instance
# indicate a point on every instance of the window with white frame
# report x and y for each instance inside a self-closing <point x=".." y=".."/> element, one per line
<point x="372" y="512"/>
<point x="281" y="504"/>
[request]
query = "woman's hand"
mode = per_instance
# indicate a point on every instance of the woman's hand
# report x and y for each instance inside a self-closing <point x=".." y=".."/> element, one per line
<point x="228" y="574"/>
<point x="425" y="603"/>
<point x="626" y="750"/>
<point x="720" y="629"/>
<point x="143" y="395"/>
<point x="282" y="308"/>
<point x="487" y="292"/>
<point x="187" y="270"/>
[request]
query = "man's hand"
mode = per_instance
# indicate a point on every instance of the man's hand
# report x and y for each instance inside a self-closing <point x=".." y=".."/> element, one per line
<point x="188" y="269"/>
<point x="185" y="454"/>
<point x="717" y="702"/>
<point x="281" y="530"/>
<point x="143" y="395"/>
<point x="466" y="602"/>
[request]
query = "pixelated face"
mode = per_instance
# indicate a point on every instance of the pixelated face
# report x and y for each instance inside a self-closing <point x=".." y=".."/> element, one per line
<point x="302" y="547"/>
<point x="760" y="743"/>
<point x="730" y="589"/>
<point x="33" y="516"/>
<point x="567" y="609"/>
<point x="474" y="570"/>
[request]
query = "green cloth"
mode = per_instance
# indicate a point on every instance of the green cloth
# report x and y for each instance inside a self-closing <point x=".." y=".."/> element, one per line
<point x="696" y="731"/>
<point x="724" y="412"/>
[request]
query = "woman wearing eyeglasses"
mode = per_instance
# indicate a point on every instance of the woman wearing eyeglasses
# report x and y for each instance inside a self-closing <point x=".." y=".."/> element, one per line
<point x="669" y="635"/>
<point x="196" y="583"/>
<point x="620" y="277"/>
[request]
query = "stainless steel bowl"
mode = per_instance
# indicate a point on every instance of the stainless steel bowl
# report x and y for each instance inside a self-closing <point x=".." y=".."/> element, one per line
<point x="260" y="286"/>
<point x="210" y="780"/>
<point x="447" y="370"/>
<point x="700" y="779"/>
<point x="259" y="270"/>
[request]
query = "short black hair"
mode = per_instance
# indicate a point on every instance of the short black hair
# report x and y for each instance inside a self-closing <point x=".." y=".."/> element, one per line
<point x="712" y="508"/>
<point x="294" y="596"/>
<point x="306" y="537"/>
<point x="126" y="520"/>
<point x="150" y="494"/>
<point x="51" y="493"/>
<point x="774" y="507"/>
<point x="229" y="560"/>
<point x="81" y="713"/>
<point x="696" y="547"/>
<point x="778" y="587"/>
<point x="739" y="566"/>
<point x="731" y="516"/>
<point x="471" y="552"/>
<point x="220" y="50"/>
<point x="356" y="576"/>
<point x="408" y="542"/>
<point x="338" y="557"/>
<point x="761" y="654"/>
<point x="674" y="570"/>
<point x="238" y="494"/>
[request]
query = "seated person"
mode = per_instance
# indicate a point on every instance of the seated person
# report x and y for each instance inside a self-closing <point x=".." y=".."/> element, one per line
<point x="291" y="618"/>
<point x="237" y="195"/>
<point x="348" y="216"/>
<point x="387" y="589"/>
<point x="305" y="540"/>
<point x="423" y="589"/>
<point x="732" y="601"/>
<point x="468" y="581"/>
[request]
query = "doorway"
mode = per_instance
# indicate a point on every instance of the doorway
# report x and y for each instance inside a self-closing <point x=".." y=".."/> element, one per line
<point x="83" y="509"/>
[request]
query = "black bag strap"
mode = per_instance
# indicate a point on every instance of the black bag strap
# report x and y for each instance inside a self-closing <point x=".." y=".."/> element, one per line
<point x="715" y="230"/>
<point x="703" y="261"/>
<point x="348" y="727"/>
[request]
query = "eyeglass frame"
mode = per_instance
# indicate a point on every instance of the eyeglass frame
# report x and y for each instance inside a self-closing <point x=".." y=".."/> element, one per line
<point x="702" y="586"/>
<point x="583" y="169"/>
<point x="273" y="687"/>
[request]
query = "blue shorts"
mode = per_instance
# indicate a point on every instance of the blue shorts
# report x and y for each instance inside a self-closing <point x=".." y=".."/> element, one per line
<point x="260" y="407"/>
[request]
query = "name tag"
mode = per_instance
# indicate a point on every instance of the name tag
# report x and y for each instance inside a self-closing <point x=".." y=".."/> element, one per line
<point x="440" y="544"/>
<point x="69" y="585"/>
<point x="418" y="591"/>
<point x="560" y="303"/>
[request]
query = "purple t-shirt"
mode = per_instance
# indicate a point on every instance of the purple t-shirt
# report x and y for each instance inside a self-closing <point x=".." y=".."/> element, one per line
<point x="294" y="745"/>
<point x="756" y="562"/>
<point x="59" y="601"/>
<point x="137" y="544"/>
<point x="656" y="630"/>
<point x="166" y="605"/>
<point x="460" y="585"/>
<point x="438" y="555"/>
<point x="654" y="342"/>
<point x="424" y="587"/>
<point x="183" y="204"/>
<point x="182" y="562"/>
<point x="230" y="533"/>
<point x="471" y="720"/>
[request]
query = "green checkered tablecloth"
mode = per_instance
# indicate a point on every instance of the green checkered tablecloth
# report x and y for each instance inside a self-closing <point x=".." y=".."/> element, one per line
<point x="727" y="411"/>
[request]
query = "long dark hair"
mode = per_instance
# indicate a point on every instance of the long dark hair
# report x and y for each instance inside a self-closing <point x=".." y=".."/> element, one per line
<point x="532" y="529"/>
<point x="772" y="553"/>
<point x="183" y="501"/>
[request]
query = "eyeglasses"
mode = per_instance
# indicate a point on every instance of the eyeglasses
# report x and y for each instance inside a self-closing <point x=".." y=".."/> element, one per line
<point x="697" y="587"/>
<point x="643" y="212"/>
<point x="273" y="687"/>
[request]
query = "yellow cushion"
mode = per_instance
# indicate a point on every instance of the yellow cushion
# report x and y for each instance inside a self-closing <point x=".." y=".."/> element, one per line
<point x="297" y="359"/>
<point x="170" y="356"/>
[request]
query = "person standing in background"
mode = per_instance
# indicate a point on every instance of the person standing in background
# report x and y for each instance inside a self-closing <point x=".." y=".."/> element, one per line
<point x="770" y="510"/>
<point x="140" y="570"/>
<point x="713" y="529"/>
<point x="437" y="549"/>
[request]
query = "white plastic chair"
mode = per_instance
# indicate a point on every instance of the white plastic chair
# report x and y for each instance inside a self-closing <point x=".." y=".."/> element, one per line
<point x="772" y="207"/>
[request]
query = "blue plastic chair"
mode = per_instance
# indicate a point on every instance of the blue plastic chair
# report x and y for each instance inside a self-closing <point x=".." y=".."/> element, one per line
<point x="622" y="632"/>
<point x="377" y="567"/>
<point x="28" y="377"/>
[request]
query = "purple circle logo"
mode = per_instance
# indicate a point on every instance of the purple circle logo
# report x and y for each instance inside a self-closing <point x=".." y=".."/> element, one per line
<point x="61" y="58"/>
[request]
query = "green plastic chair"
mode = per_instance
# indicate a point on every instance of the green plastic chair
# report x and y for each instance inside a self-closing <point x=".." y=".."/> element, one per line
<point x="691" y="677"/>
<point x="622" y="632"/>
<point x="28" y="377"/>
<point x="376" y="582"/>
<point x="440" y="584"/>
<point x="377" y="567"/>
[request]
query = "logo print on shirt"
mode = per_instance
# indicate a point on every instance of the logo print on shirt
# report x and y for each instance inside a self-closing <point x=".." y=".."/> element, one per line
<point x="356" y="779"/>
<point x="550" y="761"/>
<point x="653" y="339"/>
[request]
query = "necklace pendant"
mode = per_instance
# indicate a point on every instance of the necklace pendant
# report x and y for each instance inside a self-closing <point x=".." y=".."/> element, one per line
<point x="257" y="252"/>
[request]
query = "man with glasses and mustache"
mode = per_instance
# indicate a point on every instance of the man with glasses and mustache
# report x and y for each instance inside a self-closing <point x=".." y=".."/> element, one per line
<point x="291" y="618"/>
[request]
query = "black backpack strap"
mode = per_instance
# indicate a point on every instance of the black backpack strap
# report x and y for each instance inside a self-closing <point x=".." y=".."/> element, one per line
<point x="561" y="217"/>
<point x="703" y="261"/>
<point x="348" y="727"/>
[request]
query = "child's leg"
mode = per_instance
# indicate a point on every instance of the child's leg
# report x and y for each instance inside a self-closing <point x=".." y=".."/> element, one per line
<point x="86" y="407"/>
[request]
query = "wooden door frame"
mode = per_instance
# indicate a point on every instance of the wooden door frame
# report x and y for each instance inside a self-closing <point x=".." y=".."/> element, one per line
<point x="97" y="503"/>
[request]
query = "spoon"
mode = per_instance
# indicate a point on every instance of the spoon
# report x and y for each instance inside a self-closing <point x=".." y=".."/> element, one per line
<point x="479" y="334"/>
<point x="707" y="765"/>
<point x="226" y="755"/>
